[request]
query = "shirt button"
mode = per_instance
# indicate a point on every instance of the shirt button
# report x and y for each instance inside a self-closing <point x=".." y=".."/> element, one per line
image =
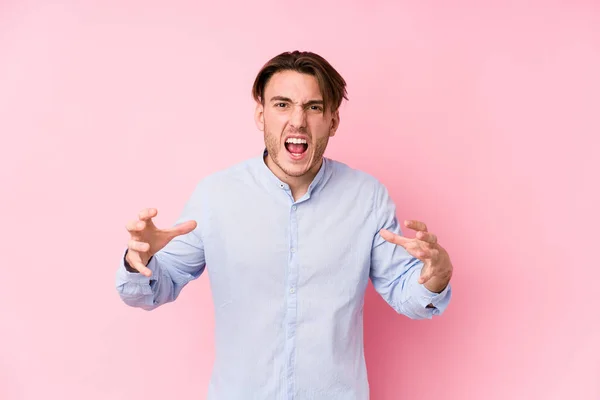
<point x="293" y="250"/>
<point x="292" y="290"/>
<point x="294" y="208"/>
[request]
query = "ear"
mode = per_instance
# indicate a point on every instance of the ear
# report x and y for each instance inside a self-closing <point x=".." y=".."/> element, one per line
<point x="259" y="116"/>
<point x="335" y="122"/>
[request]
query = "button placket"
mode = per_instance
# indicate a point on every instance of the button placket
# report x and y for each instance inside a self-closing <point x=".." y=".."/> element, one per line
<point x="292" y="300"/>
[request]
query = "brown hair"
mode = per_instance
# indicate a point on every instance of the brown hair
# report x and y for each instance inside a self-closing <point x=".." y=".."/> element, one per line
<point x="331" y="83"/>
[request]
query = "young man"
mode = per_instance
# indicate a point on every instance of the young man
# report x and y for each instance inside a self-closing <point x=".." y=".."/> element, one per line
<point x="291" y="239"/>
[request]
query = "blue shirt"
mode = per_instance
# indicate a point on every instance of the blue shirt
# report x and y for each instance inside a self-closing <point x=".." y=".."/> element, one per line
<point x="288" y="279"/>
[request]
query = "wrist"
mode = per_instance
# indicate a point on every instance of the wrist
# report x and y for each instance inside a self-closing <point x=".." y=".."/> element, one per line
<point x="128" y="266"/>
<point x="436" y="285"/>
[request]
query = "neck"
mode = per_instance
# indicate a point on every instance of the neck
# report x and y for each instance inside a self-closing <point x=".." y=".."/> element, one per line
<point x="298" y="184"/>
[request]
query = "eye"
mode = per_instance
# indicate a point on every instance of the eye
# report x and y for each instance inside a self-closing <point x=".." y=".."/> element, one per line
<point x="280" y="105"/>
<point x="316" y="108"/>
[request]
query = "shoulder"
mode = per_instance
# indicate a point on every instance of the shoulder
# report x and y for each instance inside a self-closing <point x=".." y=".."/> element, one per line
<point x="348" y="175"/>
<point x="239" y="172"/>
<point x="362" y="186"/>
<point x="363" y="189"/>
<point x="222" y="182"/>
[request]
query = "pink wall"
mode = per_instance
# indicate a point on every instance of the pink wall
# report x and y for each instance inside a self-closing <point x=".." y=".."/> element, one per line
<point x="483" y="120"/>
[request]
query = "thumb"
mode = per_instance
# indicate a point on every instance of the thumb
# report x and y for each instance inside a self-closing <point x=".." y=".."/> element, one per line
<point x="182" y="228"/>
<point x="426" y="273"/>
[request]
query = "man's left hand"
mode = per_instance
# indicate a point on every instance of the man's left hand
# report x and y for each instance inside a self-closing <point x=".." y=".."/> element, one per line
<point x="437" y="268"/>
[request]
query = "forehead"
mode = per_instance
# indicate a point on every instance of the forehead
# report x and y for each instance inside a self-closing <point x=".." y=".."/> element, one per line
<point x="293" y="84"/>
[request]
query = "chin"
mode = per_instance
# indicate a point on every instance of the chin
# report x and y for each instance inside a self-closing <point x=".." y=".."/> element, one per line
<point x="296" y="172"/>
<point x="294" y="168"/>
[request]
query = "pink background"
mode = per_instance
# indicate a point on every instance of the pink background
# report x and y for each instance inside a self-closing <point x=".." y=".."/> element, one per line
<point x="481" y="118"/>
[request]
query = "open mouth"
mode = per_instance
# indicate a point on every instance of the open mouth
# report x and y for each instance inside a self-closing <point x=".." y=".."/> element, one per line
<point x="296" y="147"/>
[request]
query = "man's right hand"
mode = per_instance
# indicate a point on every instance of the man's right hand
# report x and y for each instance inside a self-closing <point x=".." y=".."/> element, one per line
<point x="146" y="239"/>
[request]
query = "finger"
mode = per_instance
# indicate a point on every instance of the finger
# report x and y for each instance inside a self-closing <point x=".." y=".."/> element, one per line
<point x="435" y="255"/>
<point x="133" y="258"/>
<point x="393" y="238"/>
<point x="427" y="237"/>
<point x="416" y="225"/>
<point x="182" y="229"/>
<point x="416" y="250"/>
<point x="422" y="253"/>
<point x="138" y="246"/>
<point x="424" y="279"/>
<point x="135" y="227"/>
<point x="147" y="214"/>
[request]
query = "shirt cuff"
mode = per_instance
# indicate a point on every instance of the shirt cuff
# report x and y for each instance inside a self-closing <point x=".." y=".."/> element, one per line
<point x="135" y="277"/>
<point x="439" y="300"/>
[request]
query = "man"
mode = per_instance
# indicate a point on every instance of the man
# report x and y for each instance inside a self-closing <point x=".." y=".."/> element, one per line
<point x="291" y="239"/>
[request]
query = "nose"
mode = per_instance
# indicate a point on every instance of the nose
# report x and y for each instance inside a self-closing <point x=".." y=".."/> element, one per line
<point x="298" y="118"/>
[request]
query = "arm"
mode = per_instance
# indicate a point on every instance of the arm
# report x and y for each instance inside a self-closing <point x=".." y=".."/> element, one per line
<point x="395" y="272"/>
<point x="174" y="266"/>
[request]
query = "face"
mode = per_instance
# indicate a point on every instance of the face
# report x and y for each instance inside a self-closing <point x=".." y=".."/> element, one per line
<point x="295" y="127"/>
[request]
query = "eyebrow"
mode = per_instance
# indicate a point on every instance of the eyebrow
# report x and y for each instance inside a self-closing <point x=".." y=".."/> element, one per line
<point x="308" y="103"/>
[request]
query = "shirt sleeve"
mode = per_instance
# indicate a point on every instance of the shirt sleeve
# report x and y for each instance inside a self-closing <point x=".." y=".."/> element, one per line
<point x="395" y="272"/>
<point x="173" y="267"/>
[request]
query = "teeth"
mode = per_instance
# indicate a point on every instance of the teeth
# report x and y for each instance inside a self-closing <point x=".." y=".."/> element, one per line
<point x="296" y="141"/>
